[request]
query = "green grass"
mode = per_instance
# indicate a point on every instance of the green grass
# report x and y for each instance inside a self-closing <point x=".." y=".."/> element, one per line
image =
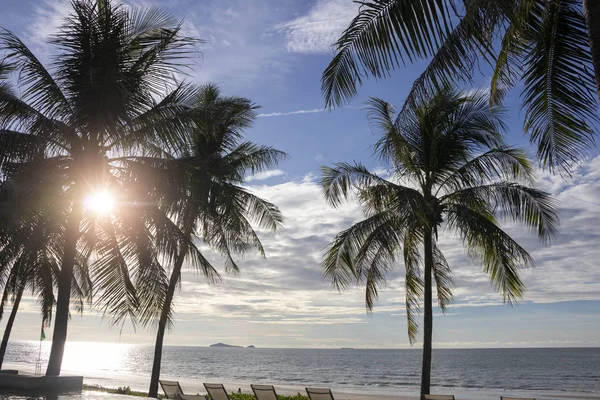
<point x="247" y="396"/>
<point x="126" y="390"/>
<point x="120" y="390"/>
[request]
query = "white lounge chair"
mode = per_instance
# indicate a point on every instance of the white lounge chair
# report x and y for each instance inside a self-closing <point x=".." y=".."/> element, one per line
<point x="173" y="390"/>
<point x="216" y="391"/>
<point x="516" y="398"/>
<point x="437" y="397"/>
<point x="319" y="394"/>
<point x="264" y="392"/>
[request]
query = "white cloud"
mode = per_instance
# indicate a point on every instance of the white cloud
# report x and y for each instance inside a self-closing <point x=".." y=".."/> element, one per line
<point x="287" y="302"/>
<point x="317" y="30"/>
<point x="261" y="176"/>
<point x="281" y="114"/>
<point x="238" y="54"/>
<point x="48" y="17"/>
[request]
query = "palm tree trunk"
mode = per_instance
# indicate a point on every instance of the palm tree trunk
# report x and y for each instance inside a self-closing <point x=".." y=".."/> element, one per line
<point x="9" y="323"/>
<point x="162" y="323"/>
<point x="428" y="315"/>
<point x="65" y="278"/>
<point x="591" y="9"/>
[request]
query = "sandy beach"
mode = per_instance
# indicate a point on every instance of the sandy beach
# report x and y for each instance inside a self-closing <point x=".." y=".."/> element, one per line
<point x="193" y="386"/>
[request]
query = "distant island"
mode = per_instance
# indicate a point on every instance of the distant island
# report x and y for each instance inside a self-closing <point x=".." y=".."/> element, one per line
<point x="222" y="345"/>
<point x="229" y="345"/>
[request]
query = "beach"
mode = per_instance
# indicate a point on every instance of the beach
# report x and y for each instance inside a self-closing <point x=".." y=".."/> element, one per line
<point x="194" y="386"/>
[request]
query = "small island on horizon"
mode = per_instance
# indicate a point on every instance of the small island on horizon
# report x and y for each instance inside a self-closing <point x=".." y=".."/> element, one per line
<point x="220" y="344"/>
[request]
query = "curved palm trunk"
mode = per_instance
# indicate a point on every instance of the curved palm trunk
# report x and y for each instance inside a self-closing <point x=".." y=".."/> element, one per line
<point x="162" y="324"/>
<point x="65" y="278"/>
<point x="428" y="315"/>
<point x="9" y="323"/>
<point x="592" y="17"/>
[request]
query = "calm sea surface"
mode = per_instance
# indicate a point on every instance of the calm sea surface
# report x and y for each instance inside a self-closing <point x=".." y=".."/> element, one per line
<point x="565" y="369"/>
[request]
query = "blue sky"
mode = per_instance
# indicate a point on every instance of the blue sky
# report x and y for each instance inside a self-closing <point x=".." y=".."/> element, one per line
<point x="273" y="52"/>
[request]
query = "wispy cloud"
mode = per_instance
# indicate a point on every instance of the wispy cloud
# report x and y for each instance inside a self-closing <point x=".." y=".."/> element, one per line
<point x="238" y="54"/>
<point x="282" y="114"/>
<point x="319" y="28"/>
<point x="261" y="176"/>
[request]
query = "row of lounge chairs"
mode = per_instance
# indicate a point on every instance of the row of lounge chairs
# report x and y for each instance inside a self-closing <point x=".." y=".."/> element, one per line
<point x="217" y="391"/>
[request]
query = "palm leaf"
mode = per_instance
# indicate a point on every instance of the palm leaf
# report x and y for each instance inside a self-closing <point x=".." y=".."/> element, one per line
<point x="384" y="35"/>
<point x="559" y="94"/>
<point x="413" y="283"/>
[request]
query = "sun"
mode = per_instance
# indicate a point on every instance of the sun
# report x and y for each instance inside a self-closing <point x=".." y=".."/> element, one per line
<point x="100" y="202"/>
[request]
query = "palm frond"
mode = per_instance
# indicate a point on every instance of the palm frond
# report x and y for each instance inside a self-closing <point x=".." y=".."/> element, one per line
<point x="384" y="35"/>
<point x="533" y="207"/>
<point x="413" y="283"/>
<point x="561" y="109"/>
<point x="340" y="260"/>
<point x="337" y="183"/>
<point x="503" y="163"/>
<point x="443" y="278"/>
<point x="501" y="256"/>
<point x="41" y="90"/>
<point x="115" y="291"/>
<point x="458" y="56"/>
<point x="509" y="61"/>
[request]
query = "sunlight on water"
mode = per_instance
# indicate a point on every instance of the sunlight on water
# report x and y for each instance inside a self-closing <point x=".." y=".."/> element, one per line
<point x="373" y="371"/>
<point x="90" y="356"/>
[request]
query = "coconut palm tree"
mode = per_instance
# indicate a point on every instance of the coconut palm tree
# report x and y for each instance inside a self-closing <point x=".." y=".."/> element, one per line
<point x="449" y="170"/>
<point x="551" y="46"/>
<point x="28" y="261"/>
<point x="110" y="92"/>
<point x="205" y="197"/>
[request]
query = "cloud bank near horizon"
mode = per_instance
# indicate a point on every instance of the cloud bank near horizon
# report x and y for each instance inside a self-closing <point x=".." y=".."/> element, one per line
<point x="286" y="295"/>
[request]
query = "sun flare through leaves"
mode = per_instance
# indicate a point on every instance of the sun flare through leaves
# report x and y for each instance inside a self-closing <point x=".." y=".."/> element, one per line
<point x="101" y="202"/>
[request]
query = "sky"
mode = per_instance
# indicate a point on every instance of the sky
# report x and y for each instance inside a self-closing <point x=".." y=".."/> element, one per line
<point x="274" y="52"/>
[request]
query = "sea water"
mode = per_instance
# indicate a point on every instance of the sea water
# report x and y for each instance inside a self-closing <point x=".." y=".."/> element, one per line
<point x="364" y="370"/>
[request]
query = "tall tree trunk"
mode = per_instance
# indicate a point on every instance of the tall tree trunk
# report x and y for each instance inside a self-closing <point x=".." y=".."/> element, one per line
<point x="162" y="323"/>
<point x="428" y="315"/>
<point x="10" y="322"/>
<point x="591" y="9"/>
<point x="65" y="278"/>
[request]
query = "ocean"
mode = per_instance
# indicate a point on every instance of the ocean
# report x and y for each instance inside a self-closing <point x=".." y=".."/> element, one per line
<point x="573" y="370"/>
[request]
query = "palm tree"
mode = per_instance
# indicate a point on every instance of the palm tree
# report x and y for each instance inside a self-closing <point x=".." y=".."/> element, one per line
<point x="203" y="182"/>
<point x="449" y="170"/>
<point x="28" y="261"/>
<point x="110" y="93"/>
<point x="552" y="46"/>
<point x="25" y="260"/>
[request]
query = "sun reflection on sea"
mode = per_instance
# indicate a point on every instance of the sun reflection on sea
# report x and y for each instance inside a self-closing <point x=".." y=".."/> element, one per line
<point x="85" y="357"/>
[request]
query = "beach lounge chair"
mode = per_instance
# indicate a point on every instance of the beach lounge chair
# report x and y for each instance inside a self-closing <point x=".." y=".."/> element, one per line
<point x="437" y="397"/>
<point x="173" y="390"/>
<point x="216" y="391"/>
<point x="264" y="392"/>
<point x="516" y="398"/>
<point x="319" y="394"/>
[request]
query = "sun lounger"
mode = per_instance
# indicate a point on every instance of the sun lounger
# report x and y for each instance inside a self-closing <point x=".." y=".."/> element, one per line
<point x="173" y="390"/>
<point x="264" y="392"/>
<point x="437" y="397"/>
<point x="319" y="394"/>
<point x="515" y="398"/>
<point x="216" y="391"/>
